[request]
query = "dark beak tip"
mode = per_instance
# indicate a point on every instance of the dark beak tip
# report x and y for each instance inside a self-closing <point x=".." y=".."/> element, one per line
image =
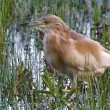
<point x="33" y="23"/>
<point x="24" y="24"/>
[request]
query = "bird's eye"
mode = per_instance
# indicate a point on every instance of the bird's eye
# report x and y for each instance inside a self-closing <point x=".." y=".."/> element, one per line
<point x="45" y="22"/>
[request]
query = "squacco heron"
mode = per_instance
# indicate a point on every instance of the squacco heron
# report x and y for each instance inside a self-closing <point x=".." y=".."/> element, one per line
<point x="70" y="52"/>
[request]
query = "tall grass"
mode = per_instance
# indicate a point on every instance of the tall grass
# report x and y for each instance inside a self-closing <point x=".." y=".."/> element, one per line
<point x="23" y="84"/>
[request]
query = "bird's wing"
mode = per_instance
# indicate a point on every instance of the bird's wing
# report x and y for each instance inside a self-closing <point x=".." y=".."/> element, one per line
<point x="105" y="58"/>
<point x="98" y="55"/>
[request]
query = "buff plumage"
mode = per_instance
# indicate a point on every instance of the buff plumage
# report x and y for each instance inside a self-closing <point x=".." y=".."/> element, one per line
<point x="69" y="51"/>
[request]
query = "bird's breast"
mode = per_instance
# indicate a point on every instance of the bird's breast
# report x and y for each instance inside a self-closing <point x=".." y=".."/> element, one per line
<point x="49" y="53"/>
<point x="53" y="55"/>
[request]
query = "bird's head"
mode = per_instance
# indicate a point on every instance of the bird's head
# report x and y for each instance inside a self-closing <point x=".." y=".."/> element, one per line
<point x="49" y="23"/>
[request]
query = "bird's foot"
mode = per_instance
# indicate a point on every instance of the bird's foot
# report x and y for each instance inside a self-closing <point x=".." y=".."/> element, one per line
<point x="73" y="89"/>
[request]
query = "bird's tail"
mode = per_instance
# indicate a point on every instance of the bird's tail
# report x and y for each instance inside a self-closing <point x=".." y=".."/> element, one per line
<point x="107" y="51"/>
<point x="105" y="56"/>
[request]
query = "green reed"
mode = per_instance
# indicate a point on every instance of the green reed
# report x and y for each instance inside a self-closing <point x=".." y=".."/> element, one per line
<point x="16" y="77"/>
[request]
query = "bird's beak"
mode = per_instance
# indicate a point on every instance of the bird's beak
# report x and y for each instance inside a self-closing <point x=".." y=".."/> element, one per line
<point x="37" y="24"/>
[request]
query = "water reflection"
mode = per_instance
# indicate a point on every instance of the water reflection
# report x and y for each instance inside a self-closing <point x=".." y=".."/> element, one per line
<point x="26" y="52"/>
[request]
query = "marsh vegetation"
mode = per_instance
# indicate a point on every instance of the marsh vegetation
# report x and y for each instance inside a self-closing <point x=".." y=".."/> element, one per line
<point x="25" y="83"/>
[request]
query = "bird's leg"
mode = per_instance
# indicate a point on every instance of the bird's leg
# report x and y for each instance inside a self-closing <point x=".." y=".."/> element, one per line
<point x="73" y="80"/>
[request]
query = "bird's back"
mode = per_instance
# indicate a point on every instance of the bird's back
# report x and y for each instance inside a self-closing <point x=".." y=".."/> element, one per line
<point x="92" y="49"/>
<point x="75" y="53"/>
